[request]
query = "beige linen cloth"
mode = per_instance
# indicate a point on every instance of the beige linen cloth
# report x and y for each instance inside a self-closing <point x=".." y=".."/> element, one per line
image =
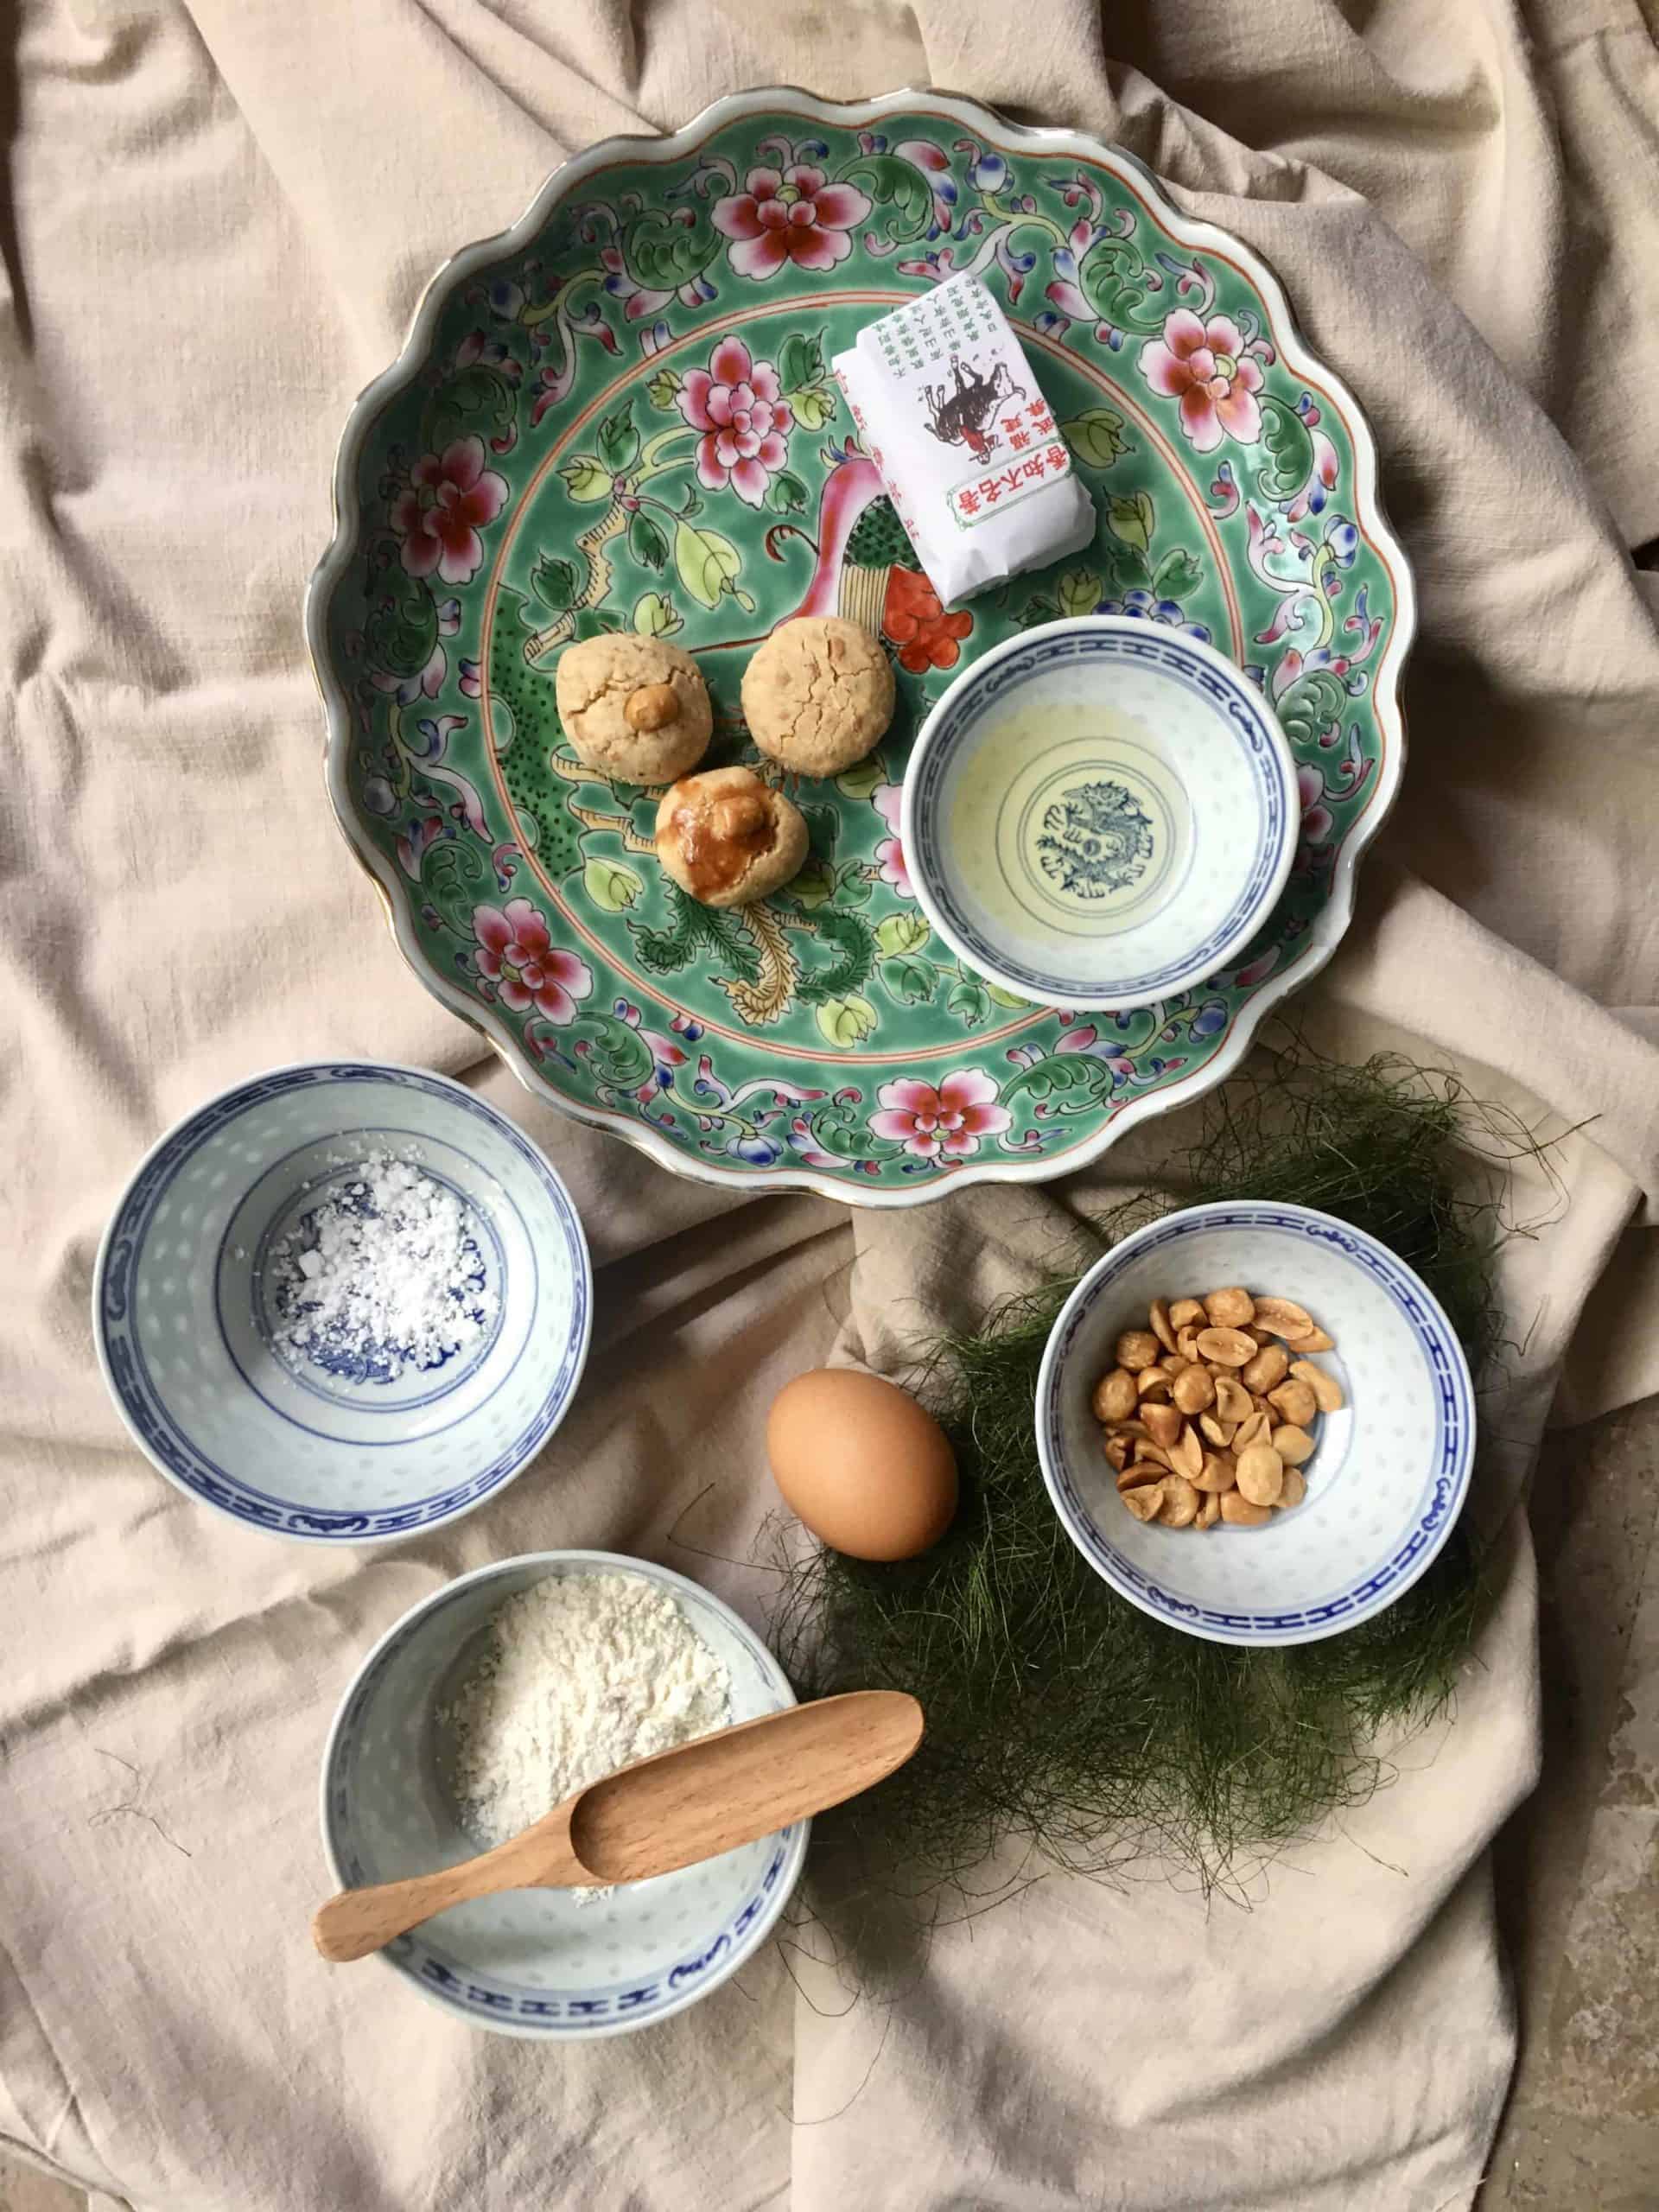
<point x="220" y="214"/>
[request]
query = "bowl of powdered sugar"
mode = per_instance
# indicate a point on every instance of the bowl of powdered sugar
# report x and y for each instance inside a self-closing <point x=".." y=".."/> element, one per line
<point x="492" y="1701"/>
<point x="343" y="1302"/>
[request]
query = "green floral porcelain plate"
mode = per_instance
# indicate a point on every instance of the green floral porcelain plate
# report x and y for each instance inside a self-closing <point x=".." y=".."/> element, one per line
<point x="619" y="415"/>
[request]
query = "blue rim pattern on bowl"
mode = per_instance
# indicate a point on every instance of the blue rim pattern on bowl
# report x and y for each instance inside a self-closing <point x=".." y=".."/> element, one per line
<point x="1446" y="1483"/>
<point x="985" y="681"/>
<point x="140" y="1404"/>
<point x="634" y="2005"/>
<point x="513" y="2007"/>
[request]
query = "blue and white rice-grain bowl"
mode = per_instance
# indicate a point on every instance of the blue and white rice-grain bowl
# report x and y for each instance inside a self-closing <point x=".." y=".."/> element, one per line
<point x="336" y="1447"/>
<point x="1102" y="812"/>
<point x="1390" y="1471"/>
<point x="537" y="1962"/>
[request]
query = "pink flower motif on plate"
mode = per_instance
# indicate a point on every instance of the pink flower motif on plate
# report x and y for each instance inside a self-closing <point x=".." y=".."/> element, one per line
<point x="1204" y="365"/>
<point x="451" y="496"/>
<point x="795" y="214"/>
<point x="890" y="853"/>
<point x="737" y="404"/>
<point x="942" y="1124"/>
<point x="517" y="952"/>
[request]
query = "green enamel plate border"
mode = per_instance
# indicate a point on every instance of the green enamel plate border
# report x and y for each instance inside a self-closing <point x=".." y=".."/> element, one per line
<point x="618" y="414"/>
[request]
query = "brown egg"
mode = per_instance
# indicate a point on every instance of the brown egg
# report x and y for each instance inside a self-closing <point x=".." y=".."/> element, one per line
<point x="864" y="1467"/>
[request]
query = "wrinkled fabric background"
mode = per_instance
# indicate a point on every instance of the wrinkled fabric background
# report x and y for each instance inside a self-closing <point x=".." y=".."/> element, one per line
<point x="219" y="217"/>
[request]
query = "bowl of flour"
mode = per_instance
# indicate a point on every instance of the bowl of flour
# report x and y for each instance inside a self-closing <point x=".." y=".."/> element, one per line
<point x="343" y="1302"/>
<point x="490" y="1702"/>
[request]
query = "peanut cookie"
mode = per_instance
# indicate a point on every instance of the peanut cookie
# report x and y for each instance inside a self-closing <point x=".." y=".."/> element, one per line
<point x="728" y="838"/>
<point x="634" y="707"/>
<point x="818" y="694"/>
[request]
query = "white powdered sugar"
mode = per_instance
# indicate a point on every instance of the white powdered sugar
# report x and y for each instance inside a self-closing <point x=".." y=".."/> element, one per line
<point x="581" y="1675"/>
<point x="386" y="1274"/>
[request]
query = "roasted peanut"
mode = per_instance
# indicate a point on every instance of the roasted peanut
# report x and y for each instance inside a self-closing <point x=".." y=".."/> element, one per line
<point x="1115" y="1395"/>
<point x="1137" y="1348"/>
<point x="1225" y="1347"/>
<point x="1294" y="1489"/>
<point x="1236" y="1509"/>
<point x="1232" y="1399"/>
<point x="1260" y="1474"/>
<point x="1116" y="1449"/>
<point x="1147" y="1503"/>
<point x="1295" y="1402"/>
<point x="1153" y="1383"/>
<point x="1186" y="1313"/>
<point x="1180" y="1502"/>
<point x="1218" y="1433"/>
<point x="1186" y="1453"/>
<point x="1293" y="1446"/>
<point x="1193" y="1390"/>
<point x="1217" y="1473"/>
<point x="1325" y="1388"/>
<point x="653" y="706"/>
<point x="1283" y="1316"/>
<point x="1229" y="1309"/>
<point x="1163" y="1424"/>
<point x="1158" y="1316"/>
<point x="1270" y="1366"/>
<point x="1209" y="1512"/>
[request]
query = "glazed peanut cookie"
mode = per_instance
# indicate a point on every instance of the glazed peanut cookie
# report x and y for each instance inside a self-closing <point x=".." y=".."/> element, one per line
<point x="818" y="694"/>
<point x="634" y="707"/>
<point x="728" y="838"/>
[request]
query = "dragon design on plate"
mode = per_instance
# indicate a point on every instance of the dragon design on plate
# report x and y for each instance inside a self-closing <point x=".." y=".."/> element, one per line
<point x="630" y="421"/>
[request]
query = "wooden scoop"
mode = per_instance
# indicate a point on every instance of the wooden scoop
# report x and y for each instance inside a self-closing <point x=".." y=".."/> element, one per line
<point x="692" y="1803"/>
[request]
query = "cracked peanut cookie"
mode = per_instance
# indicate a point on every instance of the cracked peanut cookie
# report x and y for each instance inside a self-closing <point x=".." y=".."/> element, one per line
<point x="818" y="694"/>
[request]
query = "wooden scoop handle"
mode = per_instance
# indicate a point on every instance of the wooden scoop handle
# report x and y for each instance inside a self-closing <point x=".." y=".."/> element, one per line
<point x="358" y="1922"/>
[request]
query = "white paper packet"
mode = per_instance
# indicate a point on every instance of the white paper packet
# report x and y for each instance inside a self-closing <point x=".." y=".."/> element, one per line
<point x="951" y="414"/>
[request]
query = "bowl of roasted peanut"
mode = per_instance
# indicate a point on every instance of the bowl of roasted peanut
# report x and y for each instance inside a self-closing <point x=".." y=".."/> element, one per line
<point x="1255" y="1422"/>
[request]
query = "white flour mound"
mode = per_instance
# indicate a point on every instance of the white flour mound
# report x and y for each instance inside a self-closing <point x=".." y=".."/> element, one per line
<point x="581" y="1675"/>
<point x="385" y="1269"/>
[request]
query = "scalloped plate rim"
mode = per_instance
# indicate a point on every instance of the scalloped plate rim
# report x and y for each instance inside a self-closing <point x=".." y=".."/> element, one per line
<point x="1335" y="917"/>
